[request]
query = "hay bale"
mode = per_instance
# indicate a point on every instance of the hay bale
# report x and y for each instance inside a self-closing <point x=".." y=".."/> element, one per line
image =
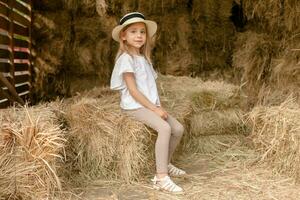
<point x="276" y="16"/>
<point x="51" y="41"/>
<point x="31" y="143"/>
<point x="175" y="94"/>
<point x="225" y="122"/>
<point x="89" y="54"/>
<point x="286" y="69"/>
<point x="212" y="45"/>
<point x="253" y="56"/>
<point x="176" y="43"/>
<point x="275" y="134"/>
<point x="205" y="108"/>
<point x="100" y="133"/>
<point x="217" y="95"/>
<point x="211" y="144"/>
<point x="267" y="65"/>
<point x="106" y="143"/>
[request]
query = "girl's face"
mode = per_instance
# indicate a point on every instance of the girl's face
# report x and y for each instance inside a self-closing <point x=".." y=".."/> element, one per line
<point x="135" y="36"/>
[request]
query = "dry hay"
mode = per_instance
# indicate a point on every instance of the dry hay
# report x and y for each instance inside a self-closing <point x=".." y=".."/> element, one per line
<point x="275" y="15"/>
<point x="176" y="43"/>
<point x="223" y="176"/>
<point x="107" y="143"/>
<point x="225" y="122"/>
<point x="275" y="134"/>
<point x="205" y="108"/>
<point x="253" y="57"/>
<point x="267" y="65"/>
<point x="212" y="8"/>
<point x="154" y="7"/>
<point x="228" y="176"/>
<point x="213" y="41"/>
<point x="89" y="55"/>
<point x="217" y="95"/>
<point x="51" y="40"/>
<point x="211" y="144"/>
<point x="270" y="96"/>
<point x="286" y="69"/>
<point x="175" y="94"/>
<point x="31" y="144"/>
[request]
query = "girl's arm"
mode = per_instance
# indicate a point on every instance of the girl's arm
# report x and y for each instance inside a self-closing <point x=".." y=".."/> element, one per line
<point x="139" y="97"/>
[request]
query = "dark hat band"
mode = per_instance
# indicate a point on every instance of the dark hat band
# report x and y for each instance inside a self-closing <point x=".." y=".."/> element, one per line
<point x="133" y="15"/>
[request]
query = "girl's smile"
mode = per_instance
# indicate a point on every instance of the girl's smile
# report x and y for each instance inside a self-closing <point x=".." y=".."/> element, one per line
<point x="135" y="36"/>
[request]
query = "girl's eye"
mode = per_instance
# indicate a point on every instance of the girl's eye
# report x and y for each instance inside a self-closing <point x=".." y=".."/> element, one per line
<point x="143" y="32"/>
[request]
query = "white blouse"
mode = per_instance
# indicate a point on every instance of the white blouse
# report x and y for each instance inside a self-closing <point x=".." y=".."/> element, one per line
<point x="144" y="76"/>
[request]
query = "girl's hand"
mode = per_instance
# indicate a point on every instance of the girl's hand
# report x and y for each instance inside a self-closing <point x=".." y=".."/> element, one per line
<point x="161" y="112"/>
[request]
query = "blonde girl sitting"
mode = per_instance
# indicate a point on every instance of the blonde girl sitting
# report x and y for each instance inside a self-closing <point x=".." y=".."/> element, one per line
<point x="133" y="75"/>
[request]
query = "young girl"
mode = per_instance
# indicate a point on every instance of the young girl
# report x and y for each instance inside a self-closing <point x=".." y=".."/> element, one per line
<point x="134" y="76"/>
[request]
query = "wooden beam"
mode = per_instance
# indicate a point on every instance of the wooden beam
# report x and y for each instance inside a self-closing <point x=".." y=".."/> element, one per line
<point x="11" y="89"/>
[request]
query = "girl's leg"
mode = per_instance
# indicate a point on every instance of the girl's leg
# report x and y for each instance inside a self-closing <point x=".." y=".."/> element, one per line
<point x="177" y="132"/>
<point x="163" y="129"/>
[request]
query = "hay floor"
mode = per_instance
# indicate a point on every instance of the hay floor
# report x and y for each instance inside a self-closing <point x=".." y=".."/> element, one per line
<point x="222" y="176"/>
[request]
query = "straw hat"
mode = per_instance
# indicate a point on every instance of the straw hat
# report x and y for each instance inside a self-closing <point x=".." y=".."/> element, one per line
<point x="131" y="18"/>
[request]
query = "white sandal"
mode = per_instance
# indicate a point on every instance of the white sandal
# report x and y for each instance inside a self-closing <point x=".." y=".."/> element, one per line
<point x="166" y="184"/>
<point x="174" y="171"/>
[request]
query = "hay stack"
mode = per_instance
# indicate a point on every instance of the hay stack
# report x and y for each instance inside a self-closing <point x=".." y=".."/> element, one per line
<point x="217" y="121"/>
<point x="213" y="35"/>
<point x="268" y="54"/>
<point x="31" y="142"/>
<point x="253" y="57"/>
<point x="286" y="69"/>
<point x="51" y="37"/>
<point x="175" y="94"/>
<point x="211" y="111"/>
<point x="225" y="122"/>
<point x="274" y="15"/>
<point x="267" y="66"/>
<point x="217" y="95"/>
<point x="107" y="143"/>
<point x="275" y="133"/>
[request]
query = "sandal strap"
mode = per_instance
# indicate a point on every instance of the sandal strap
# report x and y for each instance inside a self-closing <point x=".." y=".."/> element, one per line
<point x="174" y="170"/>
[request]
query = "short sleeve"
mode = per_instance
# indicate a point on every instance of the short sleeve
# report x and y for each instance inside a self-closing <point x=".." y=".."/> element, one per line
<point x="153" y="72"/>
<point x="123" y="64"/>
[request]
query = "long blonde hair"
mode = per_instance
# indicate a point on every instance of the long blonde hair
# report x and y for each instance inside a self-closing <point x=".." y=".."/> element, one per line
<point x="145" y="50"/>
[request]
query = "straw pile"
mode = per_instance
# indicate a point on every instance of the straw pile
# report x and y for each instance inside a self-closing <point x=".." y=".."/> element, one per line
<point x="253" y="56"/>
<point x="268" y="53"/>
<point x="211" y="112"/>
<point x="214" y="34"/>
<point x="69" y="43"/>
<point x="275" y="133"/>
<point x="218" y="116"/>
<point x="175" y="95"/>
<point x="217" y="123"/>
<point x="31" y="143"/>
<point x="274" y="15"/>
<point x="106" y="143"/>
<point x="51" y="40"/>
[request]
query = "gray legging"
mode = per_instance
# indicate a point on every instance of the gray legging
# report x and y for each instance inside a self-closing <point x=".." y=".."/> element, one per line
<point x="169" y="132"/>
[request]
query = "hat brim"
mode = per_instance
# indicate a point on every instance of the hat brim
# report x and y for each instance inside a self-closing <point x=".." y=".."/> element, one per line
<point x="151" y="27"/>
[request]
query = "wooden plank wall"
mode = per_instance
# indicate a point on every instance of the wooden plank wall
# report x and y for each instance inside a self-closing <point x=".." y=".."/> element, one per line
<point x="15" y="51"/>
